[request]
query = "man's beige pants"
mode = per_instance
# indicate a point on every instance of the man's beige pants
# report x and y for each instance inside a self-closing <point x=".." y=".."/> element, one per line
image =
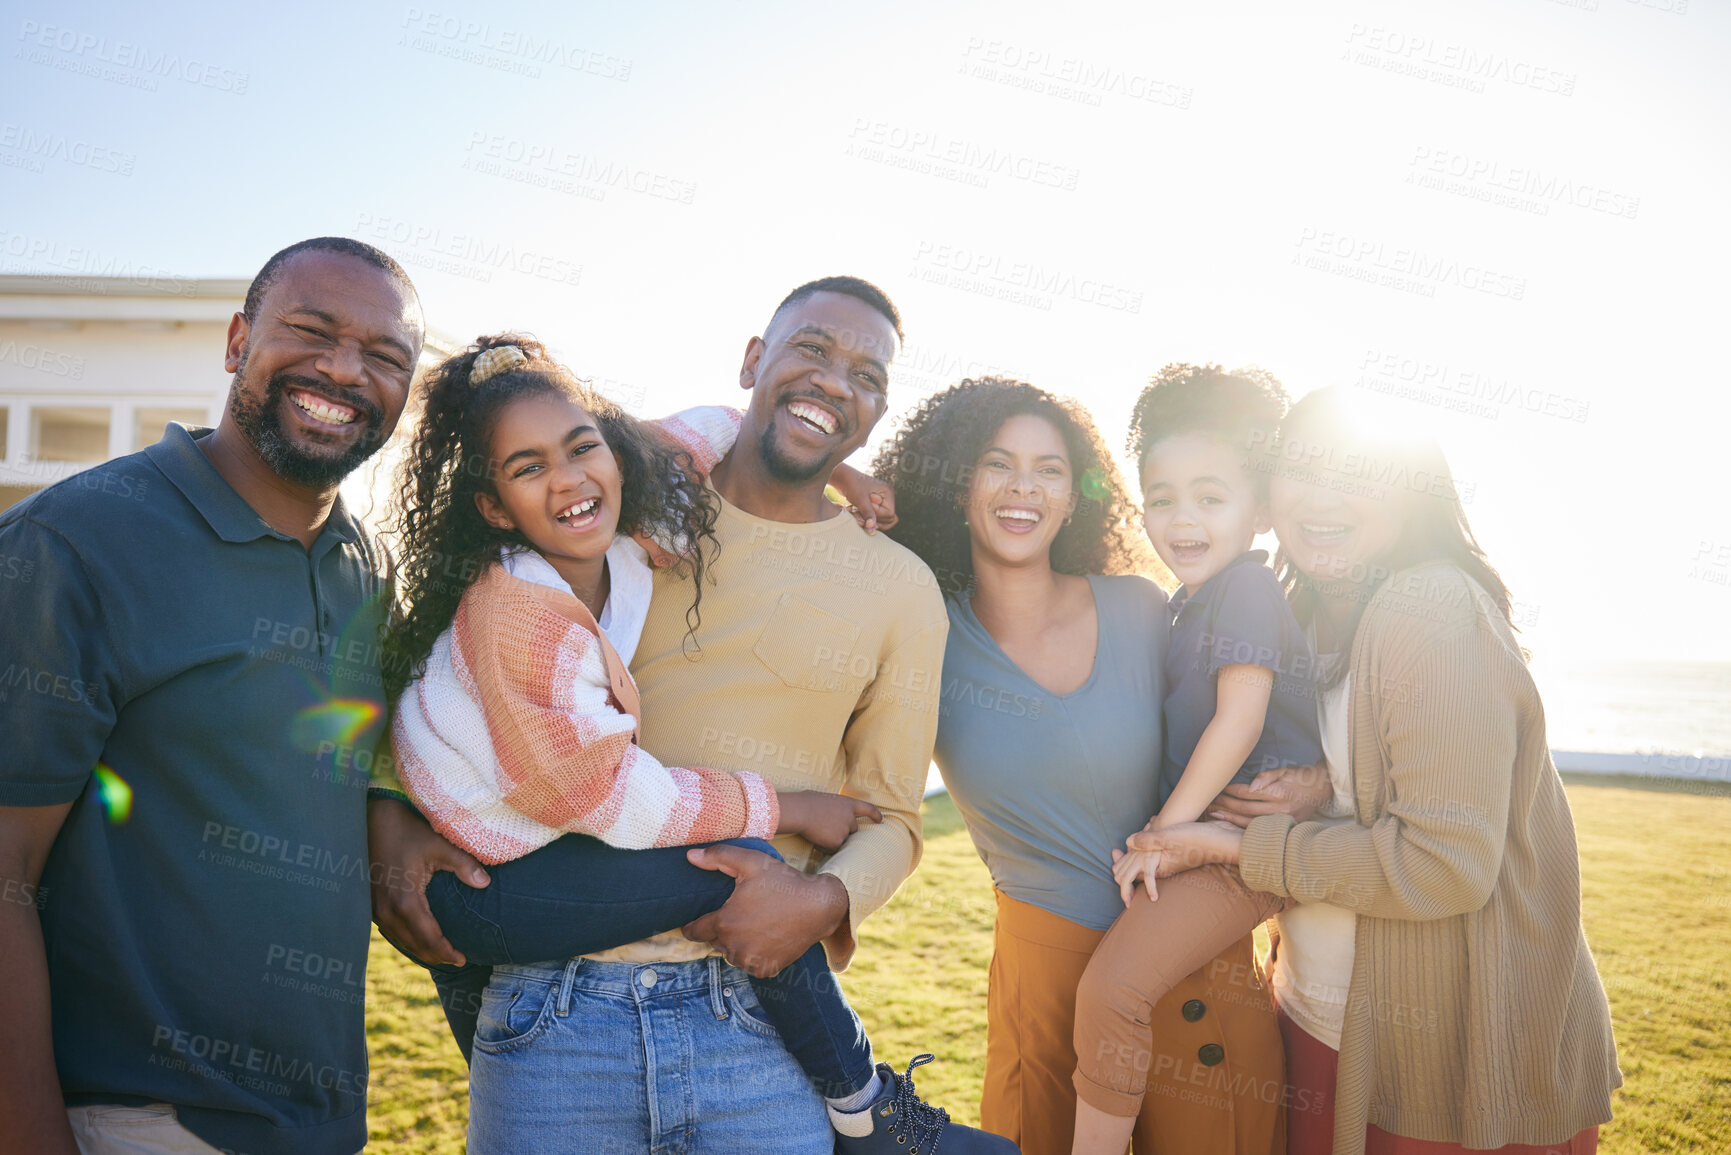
<point x="152" y="1130"/>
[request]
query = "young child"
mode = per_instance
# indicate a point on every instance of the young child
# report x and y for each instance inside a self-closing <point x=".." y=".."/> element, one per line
<point x="1238" y="702"/>
<point x="515" y="732"/>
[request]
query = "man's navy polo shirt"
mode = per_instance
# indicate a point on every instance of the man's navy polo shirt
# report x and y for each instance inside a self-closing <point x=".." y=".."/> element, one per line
<point x="207" y="943"/>
<point x="1238" y="617"/>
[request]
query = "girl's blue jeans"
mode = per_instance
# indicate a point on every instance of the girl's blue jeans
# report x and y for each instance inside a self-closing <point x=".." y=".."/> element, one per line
<point x="577" y="895"/>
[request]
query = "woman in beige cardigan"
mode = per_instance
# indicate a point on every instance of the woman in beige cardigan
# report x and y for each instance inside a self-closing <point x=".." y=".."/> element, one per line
<point x="1435" y="952"/>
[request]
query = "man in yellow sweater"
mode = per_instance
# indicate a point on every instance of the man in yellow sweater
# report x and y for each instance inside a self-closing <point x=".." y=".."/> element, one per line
<point x="816" y="664"/>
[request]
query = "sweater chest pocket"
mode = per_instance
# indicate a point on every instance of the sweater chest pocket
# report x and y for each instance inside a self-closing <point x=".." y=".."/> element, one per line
<point x="812" y="649"/>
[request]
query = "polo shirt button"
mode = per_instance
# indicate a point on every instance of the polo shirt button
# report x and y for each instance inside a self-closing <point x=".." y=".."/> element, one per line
<point x="1193" y="1010"/>
<point x="1211" y="1054"/>
<point x="648" y="978"/>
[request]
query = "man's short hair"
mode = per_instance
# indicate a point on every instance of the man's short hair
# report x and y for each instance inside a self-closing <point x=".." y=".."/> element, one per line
<point x="855" y="287"/>
<point x="347" y="246"/>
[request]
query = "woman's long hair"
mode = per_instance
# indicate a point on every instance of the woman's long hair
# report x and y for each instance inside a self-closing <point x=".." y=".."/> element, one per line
<point x="931" y="460"/>
<point x="1339" y="423"/>
<point x="444" y="544"/>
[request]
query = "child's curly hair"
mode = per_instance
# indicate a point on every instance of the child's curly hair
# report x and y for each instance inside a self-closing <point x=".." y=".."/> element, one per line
<point x="930" y="463"/>
<point x="445" y="544"/>
<point x="1242" y="408"/>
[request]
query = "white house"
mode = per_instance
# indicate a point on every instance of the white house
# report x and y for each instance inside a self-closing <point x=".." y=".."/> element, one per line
<point x="94" y="367"/>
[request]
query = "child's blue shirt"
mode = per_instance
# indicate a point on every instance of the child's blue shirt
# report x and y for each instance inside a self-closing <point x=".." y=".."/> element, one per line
<point x="1238" y="617"/>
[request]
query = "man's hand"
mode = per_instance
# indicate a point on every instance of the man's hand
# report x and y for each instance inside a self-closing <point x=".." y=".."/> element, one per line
<point x="405" y="853"/>
<point x="825" y="820"/>
<point x="1296" y="790"/>
<point x="776" y="912"/>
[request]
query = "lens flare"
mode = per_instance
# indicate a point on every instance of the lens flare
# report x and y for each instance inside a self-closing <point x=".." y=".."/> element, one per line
<point x="335" y="723"/>
<point x="115" y="794"/>
<point x="1095" y="485"/>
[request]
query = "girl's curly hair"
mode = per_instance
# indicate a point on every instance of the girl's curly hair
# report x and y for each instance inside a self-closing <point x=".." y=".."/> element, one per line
<point x="444" y="544"/>
<point x="1242" y="408"/>
<point x="930" y="462"/>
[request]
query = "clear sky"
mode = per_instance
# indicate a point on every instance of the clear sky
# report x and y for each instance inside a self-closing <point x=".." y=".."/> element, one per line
<point x="1509" y="215"/>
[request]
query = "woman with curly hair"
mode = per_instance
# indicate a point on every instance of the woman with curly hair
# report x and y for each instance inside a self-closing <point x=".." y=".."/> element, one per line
<point x="515" y="729"/>
<point x="1050" y="739"/>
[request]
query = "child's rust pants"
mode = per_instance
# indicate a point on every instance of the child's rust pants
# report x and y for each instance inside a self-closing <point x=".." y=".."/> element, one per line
<point x="1148" y="951"/>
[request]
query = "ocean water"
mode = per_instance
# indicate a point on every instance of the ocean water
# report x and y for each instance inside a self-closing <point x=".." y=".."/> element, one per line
<point x="1663" y="719"/>
<point x="1680" y="709"/>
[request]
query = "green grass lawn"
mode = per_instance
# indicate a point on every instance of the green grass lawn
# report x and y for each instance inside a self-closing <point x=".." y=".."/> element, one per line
<point x="1656" y="882"/>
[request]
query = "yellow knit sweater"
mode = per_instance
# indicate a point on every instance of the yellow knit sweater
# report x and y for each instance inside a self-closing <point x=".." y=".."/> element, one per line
<point x="1475" y="1014"/>
<point x="817" y="665"/>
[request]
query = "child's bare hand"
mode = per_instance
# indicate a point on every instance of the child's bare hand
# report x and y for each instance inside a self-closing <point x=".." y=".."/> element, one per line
<point x="871" y="501"/>
<point x="825" y="820"/>
<point x="1138" y="864"/>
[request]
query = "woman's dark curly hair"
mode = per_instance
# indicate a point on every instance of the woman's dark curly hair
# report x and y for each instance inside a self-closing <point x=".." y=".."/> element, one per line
<point x="444" y="544"/>
<point x="930" y="462"/>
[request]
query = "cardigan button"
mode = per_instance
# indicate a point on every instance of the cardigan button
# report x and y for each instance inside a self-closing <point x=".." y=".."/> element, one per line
<point x="1193" y="1010"/>
<point x="1211" y="1054"/>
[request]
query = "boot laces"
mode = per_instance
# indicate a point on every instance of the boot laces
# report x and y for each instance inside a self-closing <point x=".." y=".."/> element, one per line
<point x="923" y="1121"/>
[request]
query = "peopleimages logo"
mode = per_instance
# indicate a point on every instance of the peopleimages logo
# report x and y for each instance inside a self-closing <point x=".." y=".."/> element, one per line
<point x="1462" y="389"/>
<point x="464" y="254"/>
<point x="48" y="684"/>
<point x="933" y="152"/>
<point x="543" y="162"/>
<point x="44" y="146"/>
<point x="1067" y="77"/>
<point x="1514" y="186"/>
<point x="1018" y="282"/>
<point x="96" y="270"/>
<point x="482" y="42"/>
<point x="1453" y="65"/>
<point x="1368" y="259"/>
<point x="80" y="50"/>
<point x="41" y="359"/>
<point x="245" y="1065"/>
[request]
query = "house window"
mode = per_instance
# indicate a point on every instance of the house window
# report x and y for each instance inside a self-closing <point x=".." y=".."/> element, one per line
<point x="77" y="434"/>
<point x="149" y="422"/>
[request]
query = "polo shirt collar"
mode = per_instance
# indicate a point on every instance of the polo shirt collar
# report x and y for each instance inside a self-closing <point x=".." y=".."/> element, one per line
<point x="180" y="459"/>
<point x="1199" y="596"/>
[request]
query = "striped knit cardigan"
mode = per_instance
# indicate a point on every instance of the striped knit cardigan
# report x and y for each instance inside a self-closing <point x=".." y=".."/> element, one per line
<point x="523" y="729"/>
<point x="524" y="726"/>
<point x="1475" y="1014"/>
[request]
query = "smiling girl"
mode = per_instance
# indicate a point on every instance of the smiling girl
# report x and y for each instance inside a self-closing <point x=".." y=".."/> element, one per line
<point x="516" y="726"/>
<point x="1239" y="702"/>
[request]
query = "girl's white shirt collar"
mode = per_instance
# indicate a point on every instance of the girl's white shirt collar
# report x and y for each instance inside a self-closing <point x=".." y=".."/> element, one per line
<point x="630" y="584"/>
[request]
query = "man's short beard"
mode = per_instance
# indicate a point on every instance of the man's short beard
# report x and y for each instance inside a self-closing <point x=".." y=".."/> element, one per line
<point x="782" y="467"/>
<point x="260" y="420"/>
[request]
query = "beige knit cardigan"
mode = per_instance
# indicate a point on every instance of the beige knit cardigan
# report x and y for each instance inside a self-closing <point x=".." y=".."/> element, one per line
<point x="1475" y="1014"/>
